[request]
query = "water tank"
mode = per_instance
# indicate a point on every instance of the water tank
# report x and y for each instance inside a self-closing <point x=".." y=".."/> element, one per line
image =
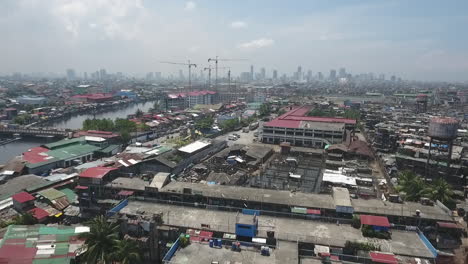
<point x="443" y="128"/>
<point x="421" y="98"/>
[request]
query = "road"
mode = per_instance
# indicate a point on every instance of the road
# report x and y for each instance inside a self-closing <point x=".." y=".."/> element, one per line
<point x="245" y="138"/>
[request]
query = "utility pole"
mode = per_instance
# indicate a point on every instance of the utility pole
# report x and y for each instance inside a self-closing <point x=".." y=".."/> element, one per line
<point x="190" y="65"/>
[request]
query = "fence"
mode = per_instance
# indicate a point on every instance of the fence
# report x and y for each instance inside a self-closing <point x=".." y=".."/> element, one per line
<point x="167" y="258"/>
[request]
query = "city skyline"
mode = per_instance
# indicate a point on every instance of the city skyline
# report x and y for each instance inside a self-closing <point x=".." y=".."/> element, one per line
<point x="417" y="40"/>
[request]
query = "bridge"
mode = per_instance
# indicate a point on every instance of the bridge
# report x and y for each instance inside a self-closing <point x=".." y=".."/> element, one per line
<point x="34" y="132"/>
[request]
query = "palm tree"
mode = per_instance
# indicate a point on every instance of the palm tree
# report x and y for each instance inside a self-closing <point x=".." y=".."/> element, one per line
<point x="99" y="241"/>
<point x="411" y="184"/>
<point x="439" y="190"/>
<point x="126" y="252"/>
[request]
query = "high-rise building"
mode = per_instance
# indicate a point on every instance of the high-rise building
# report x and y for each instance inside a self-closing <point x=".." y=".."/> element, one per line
<point x="309" y="75"/>
<point x="332" y="74"/>
<point x="181" y="75"/>
<point x="320" y="76"/>
<point x="85" y="75"/>
<point x="393" y="78"/>
<point x="71" y="74"/>
<point x="382" y="77"/>
<point x="275" y="74"/>
<point x="342" y="73"/>
<point x="102" y="74"/>
<point x="251" y="72"/>
<point x="299" y="73"/>
<point x="245" y="77"/>
<point x="157" y="76"/>
<point x="263" y="73"/>
<point x="150" y="76"/>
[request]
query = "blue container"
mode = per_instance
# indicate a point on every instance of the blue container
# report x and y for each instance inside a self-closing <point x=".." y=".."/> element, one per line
<point x="215" y="242"/>
<point x="220" y="243"/>
<point x="233" y="246"/>
<point x="211" y="243"/>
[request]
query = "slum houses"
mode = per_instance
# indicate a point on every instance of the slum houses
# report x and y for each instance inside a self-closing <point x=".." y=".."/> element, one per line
<point x="243" y="197"/>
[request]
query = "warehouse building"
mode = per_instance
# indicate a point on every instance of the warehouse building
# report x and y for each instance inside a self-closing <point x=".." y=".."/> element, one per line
<point x="299" y="129"/>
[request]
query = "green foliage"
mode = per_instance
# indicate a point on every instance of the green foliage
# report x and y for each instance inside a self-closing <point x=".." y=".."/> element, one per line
<point x="411" y="184"/>
<point x="156" y="107"/>
<point x="98" y="124"/>
<point x="230" y="124"/>
<point x="368" y="231"/>
<point x="126" y="252"/>
<point x="184" y="241"/>
<point x="100" y="241"/>
<point x="281" y="111"/>
<point x="264" y="109"/>
<point x="125" y="137"/>
<point x="414" y="187"/>
<point x="351" y="248"/>
<point x="125" y="125"/>
<point x="22" y="119"/>
<point x="322" y="113"/>
<point x="139" y="113"/>
<point x="356" y="222"/>
<point x="440" y="190"/>
<point x="204" y="123"/>
<point x="352" y="114"/>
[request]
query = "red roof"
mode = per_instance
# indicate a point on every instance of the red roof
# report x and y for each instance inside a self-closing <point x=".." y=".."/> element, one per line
<point x="81" y="187"/>
<point x="35" y="155"/>
<point x="293" y="118"/>
<point x="448" y="225"/>
<point x="383" y="258"/>
<point x="374" y="220"/>
<point x="39" y="213"/>
<point x="23" y="197"/>
<point x="125" y="193"/>
<point x="96" y="172"/>
<point x="313" y="211"/>
<point x="17" y="254"/>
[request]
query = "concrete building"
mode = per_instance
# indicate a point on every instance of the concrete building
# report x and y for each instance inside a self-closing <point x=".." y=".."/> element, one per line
<point x="31" y="100"/>
<point x="299" y="129"/>
<point x="186" y="100"/>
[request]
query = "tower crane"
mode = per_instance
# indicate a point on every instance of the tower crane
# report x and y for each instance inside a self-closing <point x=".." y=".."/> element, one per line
<point x="190" y="65"/>
<point x="216" y="59"/>
<point x="209" y="69"/>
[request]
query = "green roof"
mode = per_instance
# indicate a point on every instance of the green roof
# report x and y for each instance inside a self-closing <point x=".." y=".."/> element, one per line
<point x="64" y="142"/>
<point x="71" y="195"/>
<point x="109" y="148"/>
<point x="52" y="194"/>
<point x="71" y="151"/>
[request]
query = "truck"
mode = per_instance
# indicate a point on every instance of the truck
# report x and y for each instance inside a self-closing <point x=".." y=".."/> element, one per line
<point x="253" y="126"/>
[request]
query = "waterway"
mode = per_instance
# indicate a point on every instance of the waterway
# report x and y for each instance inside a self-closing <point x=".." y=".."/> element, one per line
<point x="11" y="150"/>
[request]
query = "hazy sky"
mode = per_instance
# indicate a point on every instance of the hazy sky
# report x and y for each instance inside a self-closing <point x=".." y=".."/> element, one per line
<point x="417" y="39"/>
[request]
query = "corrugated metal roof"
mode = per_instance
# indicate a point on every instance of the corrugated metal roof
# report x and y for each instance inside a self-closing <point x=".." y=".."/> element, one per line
<point x="52" y="194"/>
<point x="375" y="220"/>
<point x="96" y="172"/>
<point x="23" y="197"/>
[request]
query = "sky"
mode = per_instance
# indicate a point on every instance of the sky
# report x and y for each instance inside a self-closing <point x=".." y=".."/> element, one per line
<point x="417" y="40"/>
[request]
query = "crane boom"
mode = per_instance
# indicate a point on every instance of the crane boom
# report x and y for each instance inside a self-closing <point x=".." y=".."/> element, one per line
<point x="190" y="65"/>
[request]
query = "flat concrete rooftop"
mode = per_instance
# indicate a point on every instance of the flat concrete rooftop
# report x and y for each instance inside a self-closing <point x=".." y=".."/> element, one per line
<point x="309" y="200"/>
<point x="197" y="253"/>
<point x="287" y="229"/>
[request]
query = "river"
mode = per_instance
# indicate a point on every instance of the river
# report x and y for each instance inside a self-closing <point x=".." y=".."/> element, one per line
<point x="8" y="151"/>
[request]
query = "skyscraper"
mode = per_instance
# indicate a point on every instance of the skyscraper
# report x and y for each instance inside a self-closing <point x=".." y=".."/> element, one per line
<point x="309" y="75"/>
<point x="85" y="75"/>
<point x="320" y="76"/>
<point x="263" y="73"/>
<point x="332" y="74"/>
<point x="275" y="74"/>
<point x="342" y="73"/>
<point x="251" y="72"/>
<point x="102" y="74"/>
<point x="71" y="74"/>
<point x="299" y="73"/>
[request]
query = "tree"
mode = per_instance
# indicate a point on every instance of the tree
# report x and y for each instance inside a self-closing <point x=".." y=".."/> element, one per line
<point x="411" y="184"/>
<point x="24" y="219"/>
<point x="439" y="190"/>
<point x="139" y="113"/>
<point x="204" y="123"/>
<point x="230" y="124"/>
<point x="126" y="252"/>
<point x="100" y="241"/>
<point x="264" y="109"/>
<point x="125" y="136"/>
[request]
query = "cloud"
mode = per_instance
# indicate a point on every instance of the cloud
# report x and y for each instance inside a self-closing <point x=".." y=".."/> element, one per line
<point x="190" y="5"/>
<point x="257" y="43"/>
<point x="238" y="24"/>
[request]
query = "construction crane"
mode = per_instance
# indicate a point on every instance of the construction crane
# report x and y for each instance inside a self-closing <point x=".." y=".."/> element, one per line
<point x="190" y="65"/>
<point x="209" y="74"/>
<point x="216" y="59"/>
